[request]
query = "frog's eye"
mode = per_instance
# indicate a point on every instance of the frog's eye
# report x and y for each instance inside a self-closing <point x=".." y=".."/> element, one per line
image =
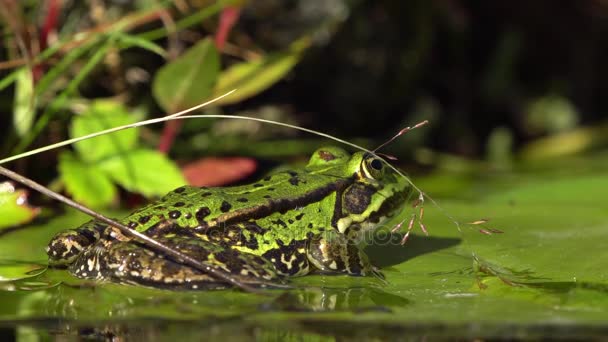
<point x="373" y="167"/>
<point x="376" y="164"/>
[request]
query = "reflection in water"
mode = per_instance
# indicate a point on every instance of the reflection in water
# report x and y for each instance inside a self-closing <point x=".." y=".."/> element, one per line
<point x="336" y="299"/>
<point x="119" y="313"/>
<point x="124" y="313"/>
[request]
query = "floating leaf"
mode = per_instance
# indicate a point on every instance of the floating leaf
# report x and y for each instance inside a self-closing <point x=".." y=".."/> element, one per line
<point x="148" y="172"/>
<point x="24" y="107"/>
<point x="17" y="271"/>
<point x="101" y="115"/>
<point x="188" y="80"/>
<point x="86" y="183"/>
<point x="218" y="171"/>
<point x="14" y="209"/>
<point x="253" y="77"/>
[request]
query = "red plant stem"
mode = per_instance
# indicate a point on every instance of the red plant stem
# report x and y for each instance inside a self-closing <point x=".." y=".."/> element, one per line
<point x="228" y="18"/>
<point x="168" y="135"/>
<point x="50" y="22"/>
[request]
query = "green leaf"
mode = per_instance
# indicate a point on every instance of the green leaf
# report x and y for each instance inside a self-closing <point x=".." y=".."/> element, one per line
<point x="24" y="106"/>
<point x="14" y="209"/>
<point x="128" y="40"/>
<point x="86" y="183"/>
<point x="101" y="115"/>
<point x="253" y="77"/>
<point x="188" y="80"/>
<point x="9" y="79"/>
<point x="144" y="171"/>
<point x="18" y="271"/>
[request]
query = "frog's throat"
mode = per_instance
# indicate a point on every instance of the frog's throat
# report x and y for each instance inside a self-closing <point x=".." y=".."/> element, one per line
<point x="373" y="217"/>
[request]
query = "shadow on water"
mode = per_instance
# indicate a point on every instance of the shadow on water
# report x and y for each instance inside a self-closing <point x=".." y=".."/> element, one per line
<point x="391" y="252"/>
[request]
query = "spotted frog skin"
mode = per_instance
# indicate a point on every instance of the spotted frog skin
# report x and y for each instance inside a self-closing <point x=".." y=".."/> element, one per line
<point x="290" y="223"/>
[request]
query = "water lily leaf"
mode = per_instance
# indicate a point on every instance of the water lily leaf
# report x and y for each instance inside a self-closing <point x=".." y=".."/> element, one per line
<point x="188" y="80"/>
<point x="86" y="183"/>
<point x="253" y="77"/>
<point x="101" y="115"/>
<point x="24" y="107"/>
<point x="218" y="171"/>
<point x="148" y="172"/>
<point x="17" y="271"/>
<point x="14" y="208"/>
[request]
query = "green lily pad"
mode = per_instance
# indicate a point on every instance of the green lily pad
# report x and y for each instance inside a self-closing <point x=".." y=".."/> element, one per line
<point x="543" y="277"/>
<point x="14" y="208"/>
<point x="18" y="271"/>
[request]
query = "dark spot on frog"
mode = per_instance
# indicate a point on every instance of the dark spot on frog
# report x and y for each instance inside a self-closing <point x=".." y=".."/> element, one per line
<point x="144" y="219"/>
<point x="132" y="225"/>
<point x="180" y="190"/>
<point x="299" y="217"/>
<point x="290" y="221"/>
<point x="257" y="185"/>
<point x="267" y="178"/>
<point x="267" y="196"/>
<point x="279" y="222"/>
<point x="201" y="213"/>
<point x="169" y="269"/>
<point x="354" y="263"/>
<point x="310" y="225"/>
<point x="327" y="156"/>
<point x="242" y="200"/>
<point x="225" y="207"/>
<point x="179" y="204"/>
<point x="294" y="180"/>
<point x="270" y="189"/>
<point x="255" y="229"/>
<point x="357" y="198"/>
<point x="206" y="194"/>
<point x="292" y="173"/>
<point x="288" y="252"/>
<point x="175" y="214"/>
<point x="188" y="216"/>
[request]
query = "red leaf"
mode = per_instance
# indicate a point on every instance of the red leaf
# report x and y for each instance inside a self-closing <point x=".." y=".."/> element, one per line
<point x="218" y="171"/>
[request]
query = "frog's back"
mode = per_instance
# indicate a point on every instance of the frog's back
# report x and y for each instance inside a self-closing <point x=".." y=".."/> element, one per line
<point x="203" y="208"/>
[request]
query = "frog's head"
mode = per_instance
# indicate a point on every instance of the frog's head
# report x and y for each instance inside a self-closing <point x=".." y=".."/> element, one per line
<point x="376" y="192"/>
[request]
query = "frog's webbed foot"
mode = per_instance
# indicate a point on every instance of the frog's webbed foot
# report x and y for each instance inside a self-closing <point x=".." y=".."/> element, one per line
<point x="332" y="252"/>
<point x="132" y="263"/>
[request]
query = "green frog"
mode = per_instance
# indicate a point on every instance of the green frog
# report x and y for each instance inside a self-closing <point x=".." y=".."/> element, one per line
<point x="288" y="224"/>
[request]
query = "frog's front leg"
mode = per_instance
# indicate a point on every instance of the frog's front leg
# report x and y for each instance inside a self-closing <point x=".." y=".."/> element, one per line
<point x="67" y="245"/>
<point x="333" y="252"/>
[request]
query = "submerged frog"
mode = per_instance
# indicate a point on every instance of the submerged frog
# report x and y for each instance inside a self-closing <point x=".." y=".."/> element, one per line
<point x="290" y="223"/>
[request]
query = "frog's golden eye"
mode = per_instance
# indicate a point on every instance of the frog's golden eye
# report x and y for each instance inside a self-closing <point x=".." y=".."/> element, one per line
<point x="373" y="167"/>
